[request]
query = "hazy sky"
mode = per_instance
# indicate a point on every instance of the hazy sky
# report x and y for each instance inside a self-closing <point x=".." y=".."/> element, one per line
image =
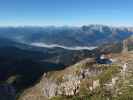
<point x="66" y="12"/>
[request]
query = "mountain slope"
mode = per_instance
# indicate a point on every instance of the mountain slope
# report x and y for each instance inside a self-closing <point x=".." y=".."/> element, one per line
<point x="86" y="80"/>
<point x="21" y="65"/>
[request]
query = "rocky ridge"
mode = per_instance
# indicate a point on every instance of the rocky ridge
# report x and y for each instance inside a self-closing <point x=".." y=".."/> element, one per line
<point x="86" y="79"/>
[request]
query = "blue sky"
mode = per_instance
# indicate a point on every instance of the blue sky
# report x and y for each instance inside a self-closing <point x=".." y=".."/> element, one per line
<point x="66" y="12"/>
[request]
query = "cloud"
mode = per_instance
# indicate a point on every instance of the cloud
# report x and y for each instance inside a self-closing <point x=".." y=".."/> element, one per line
<point x="39" y="44"/>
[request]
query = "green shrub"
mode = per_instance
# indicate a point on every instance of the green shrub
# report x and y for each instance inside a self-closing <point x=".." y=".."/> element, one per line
<point x="108" y="74"/>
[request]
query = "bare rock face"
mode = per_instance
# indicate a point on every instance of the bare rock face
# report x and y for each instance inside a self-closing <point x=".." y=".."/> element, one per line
<point x="69" y="88"/>
<point x="125" y="46"/>
<point x="50" y="89"/>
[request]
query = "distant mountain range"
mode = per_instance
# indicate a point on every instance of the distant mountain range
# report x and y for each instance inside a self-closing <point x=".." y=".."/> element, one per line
<point x="91" y="35"/>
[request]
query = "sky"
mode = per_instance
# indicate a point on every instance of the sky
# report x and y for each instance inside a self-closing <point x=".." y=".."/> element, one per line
<point x="66" y="12"/>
